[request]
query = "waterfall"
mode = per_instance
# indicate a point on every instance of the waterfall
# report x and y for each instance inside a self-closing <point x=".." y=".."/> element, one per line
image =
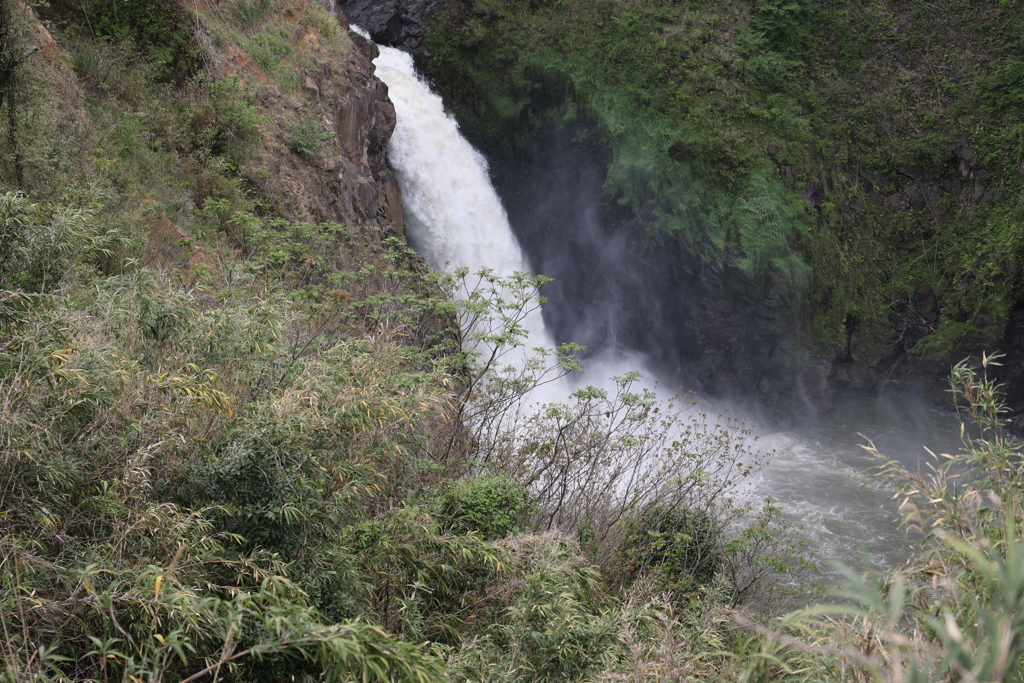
<point x="454" y="217"/>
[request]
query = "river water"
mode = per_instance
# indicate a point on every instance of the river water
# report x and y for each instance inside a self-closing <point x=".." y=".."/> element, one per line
<point x="454" y="218"/>
<point x="818" y="474"/>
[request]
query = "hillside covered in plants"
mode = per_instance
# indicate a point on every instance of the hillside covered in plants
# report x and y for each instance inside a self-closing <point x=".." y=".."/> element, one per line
<point x="246" y="435"/>
<point x="844" y="175"/>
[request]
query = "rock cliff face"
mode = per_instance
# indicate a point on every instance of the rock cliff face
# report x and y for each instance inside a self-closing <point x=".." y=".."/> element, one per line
<point x="348" y="181"/>
<point x="364" y="119"/>
<point x="394" y="22"/>
<point x="618" y="288"/>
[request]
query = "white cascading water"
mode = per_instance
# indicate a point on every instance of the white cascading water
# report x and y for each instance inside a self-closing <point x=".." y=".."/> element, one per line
<point x="454" y="217"/>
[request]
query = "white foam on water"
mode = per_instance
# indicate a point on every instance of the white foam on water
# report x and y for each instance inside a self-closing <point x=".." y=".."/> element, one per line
<point x="842" y="515"/>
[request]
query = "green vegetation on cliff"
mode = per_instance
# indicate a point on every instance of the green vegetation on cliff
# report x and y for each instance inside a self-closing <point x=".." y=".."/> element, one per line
<point x="845" y="153"/>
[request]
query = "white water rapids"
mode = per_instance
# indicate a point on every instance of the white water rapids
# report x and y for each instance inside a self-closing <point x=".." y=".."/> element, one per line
<point x="455" y="218"/>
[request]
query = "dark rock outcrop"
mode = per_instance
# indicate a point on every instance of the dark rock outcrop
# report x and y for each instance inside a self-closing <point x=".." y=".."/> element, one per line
<point x="364" y="120"/>
<point x="618" y="288"/>
<point x="392" y="22"/>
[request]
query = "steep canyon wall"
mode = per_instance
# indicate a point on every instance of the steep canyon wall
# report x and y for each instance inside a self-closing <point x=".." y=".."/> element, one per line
<point x="844" y="181"/>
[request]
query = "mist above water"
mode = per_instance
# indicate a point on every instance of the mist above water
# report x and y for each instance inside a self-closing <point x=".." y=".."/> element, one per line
<point x="455" y="218"/>
<point x="617" y="288"/>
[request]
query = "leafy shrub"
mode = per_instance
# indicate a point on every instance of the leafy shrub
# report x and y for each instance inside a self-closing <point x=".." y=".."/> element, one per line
<point x="557" y="624"/>
<point x="493" y="506"/>
<point x="225" y="122"/>
<point x="552" y="628"/>
<point x="308" y="136"/>
<point x="39" y="248"/>
<point x="625" y="470"/>
<point x="767" y="227"/>
<point x="684" y="546"/>
<point x="787" y="24"/>
<point x="767" y="69"/>
<point x="1004" y="86"/>
<point x="15" y="221"/>
<point x="268" y="49"/>
<point x="160" y="30"/>
<point x="427" y="580"/>
<point x="252" y="14"/>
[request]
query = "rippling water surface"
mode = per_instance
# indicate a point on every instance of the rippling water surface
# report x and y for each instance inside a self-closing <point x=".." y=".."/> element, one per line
<point x="818" y="475"/>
